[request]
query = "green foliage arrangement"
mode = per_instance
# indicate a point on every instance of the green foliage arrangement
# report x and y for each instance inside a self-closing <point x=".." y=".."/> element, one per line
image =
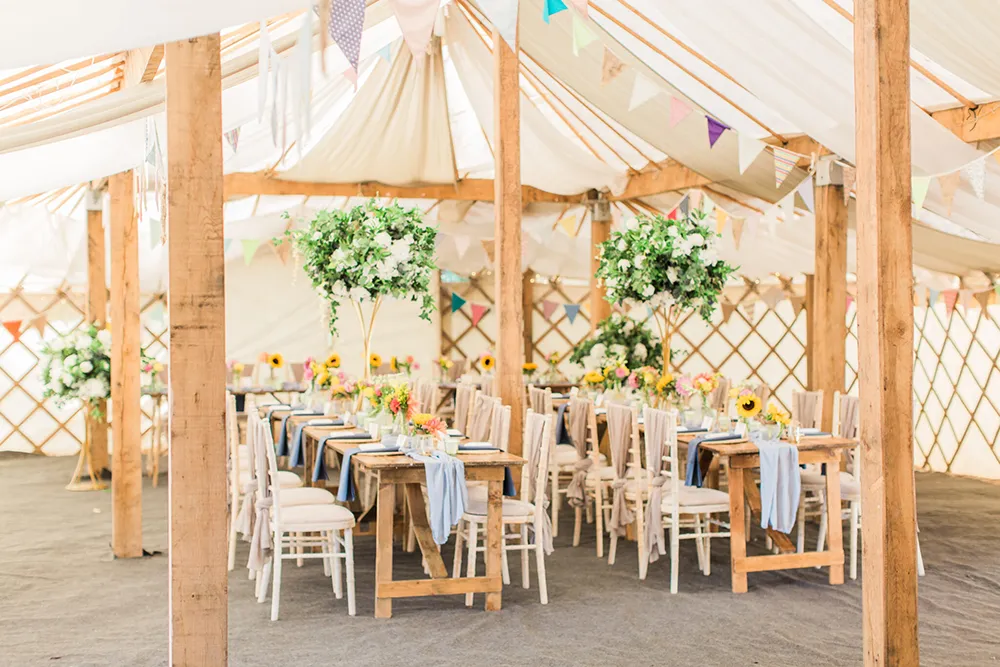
<point x="618" y="337"/>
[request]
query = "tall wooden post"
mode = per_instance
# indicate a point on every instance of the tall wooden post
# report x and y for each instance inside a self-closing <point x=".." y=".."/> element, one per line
<point x="885" y="330"/>
<point x="197" y="370"/>
<point x="126" y="482"/>
<point x="507" y="205"/>
<point x="829" y="286"/>
<point x="97" y="312"/>
<point x="600" y="231"/>
<point x="528" y="308"/>
<point x="810" y="332"/>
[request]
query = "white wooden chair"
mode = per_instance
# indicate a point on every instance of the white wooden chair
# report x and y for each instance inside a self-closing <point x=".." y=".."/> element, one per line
<point x="687" y="506"/>
<point x="597" y="478"/>
<point x="465" y="396"/>
<point x="562" y="458"/>
<point x="526" y="514"/>
<point x="292" y="528"/>
<point x="481" y="417"/>
<point x="427" y="396"/>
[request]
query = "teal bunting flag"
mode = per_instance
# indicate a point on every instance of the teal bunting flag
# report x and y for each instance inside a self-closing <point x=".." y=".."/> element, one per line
<point x="456" y="302"/>
<point x="552" y="7"/>
<point x="225" y="244"/>
<point x="572" y="310"/>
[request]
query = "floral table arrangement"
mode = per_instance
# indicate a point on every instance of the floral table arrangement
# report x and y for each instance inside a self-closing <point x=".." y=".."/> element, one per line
<point x="274" y="362"/>
<point x="617" y="336"/>
<point x="153" y="369"/>
<point x="487" y="362"/>
<point x="235" y="368"/>
<point x="444" y="365"/>
<point x="669" y="265"/>
<point x="775" y="421"/>
<point x="78" y="367"/>
<point x="528" y="369"/>
<point x="366" y="254"/>
<point x="393" y="403"/>
<point x="405" y="365"/>
<point x="552" y="373"/>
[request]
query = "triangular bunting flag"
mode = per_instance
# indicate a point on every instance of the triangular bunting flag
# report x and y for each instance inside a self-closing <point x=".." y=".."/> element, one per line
<point x="950" y="299"/>
<point x="462" y="243"/>
<point x="737" y="231"/>
<point x="611" y="67"/>
<point x="568" y="224"/>
<point x="679" y="110"/>
<point x="920" y="296"/>
<point x="850" y="175"/>
<point x="572" y="310"/>
<point x="798" y="304"/>
<point x="233" y="139"/>
<point x="772" y="296"/>
<point x="478" y="310"/>
<point x="456" y="302"/>
<point x="550" y="8"/>
<point x="850" y="300"/>
<point x="975" y="173"/>
<point x="249" y="249"/>
<point x="784" y="162"/>
<point x="225" y="245"/>
<point x="489" y="246"/>
<point x="582" y="34"/>
<point x="13" y="327"/>
<point x="503" y="15"/>
<point x="416" y="21"/>
<point x="984" y="300"/>
<point x="966" y="299"/>
<point x="727" y="310"/>
<point x="749" y="149"/>
<point x="806" y="192"/>
<point x="40" y="322"/>
<point x="549" y="307"/>
<point x="918" y="190"/>
<point x="720" y="219"/>
<point x="643" y="90"/>
<point x="580" y="6"/>
<point x="949" y="183"/>
<point x="385" y="53"/>
<point x="707" y="205"/>
<point x="684" y="206"/>
<point x="347" y="21"/>
<point x="673" y="214"/>
<point x="715" y="130"/>
<point x="932" y="297"/>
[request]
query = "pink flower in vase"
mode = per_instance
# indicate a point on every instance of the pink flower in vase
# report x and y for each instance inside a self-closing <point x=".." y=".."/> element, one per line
<point x="685" y="387"/>
<point x="620" y="373"/>
<point x="394" y="405"/>
<point x="633" y="381"/>
<point x="416" y="366"/>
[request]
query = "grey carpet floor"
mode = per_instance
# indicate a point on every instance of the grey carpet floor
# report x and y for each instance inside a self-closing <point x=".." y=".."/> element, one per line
<point x="63" y="600"/>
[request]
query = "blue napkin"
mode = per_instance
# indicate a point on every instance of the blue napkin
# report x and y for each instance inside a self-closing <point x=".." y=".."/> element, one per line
<point x="562" y="437"/>
<point x="319" y="468"/>
<point x="296" y="455"/>
<point x="283" y="434"/>
<point x="508" y="479"/>
<point x="447" y="495"/>
<point x="779" y="484"/>
<point x="694" y="475"/>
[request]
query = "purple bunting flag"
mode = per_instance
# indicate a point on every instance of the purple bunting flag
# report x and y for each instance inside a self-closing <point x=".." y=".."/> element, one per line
<point x="347" y="22"/>
<point x="715" y="130"/>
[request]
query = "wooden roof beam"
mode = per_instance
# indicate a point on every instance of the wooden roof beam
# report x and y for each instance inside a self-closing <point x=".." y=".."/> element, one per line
<point x="665" y="176"/>
<point x="469" y="189"/>
<point x="971" y="125"/>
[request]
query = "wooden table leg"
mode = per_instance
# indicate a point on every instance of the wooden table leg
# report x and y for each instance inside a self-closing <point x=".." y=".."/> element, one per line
<point x="383" y="545"/>
<point x="834" y="523"/>
<point x="737" y="539"/>
<point x="422" y="531"/>
<point x="494" y="539"/>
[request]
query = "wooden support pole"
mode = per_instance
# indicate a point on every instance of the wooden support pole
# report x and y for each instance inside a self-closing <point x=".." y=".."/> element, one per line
<point x="810" y="332"/>
<point x="600" y="231"/>
<point x="126" y="482"/>
<point x="97" y="312"/>
<point x="197" y="370"/>
<point x="829" y="310"/>
<point x="528" y="308"/>
<point x="507" y="195"/>
<point x="885" y="330"/>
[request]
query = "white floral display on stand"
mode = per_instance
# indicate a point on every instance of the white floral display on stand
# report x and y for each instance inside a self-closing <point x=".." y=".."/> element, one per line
<point x="78" y="367"/>
<point x="365" y="254"/>
<point x="670" y="265"/>
<point x="617" y="337"/>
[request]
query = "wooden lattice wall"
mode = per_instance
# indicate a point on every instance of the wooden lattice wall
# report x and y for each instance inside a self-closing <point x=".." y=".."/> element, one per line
<point x="28" y="421"/>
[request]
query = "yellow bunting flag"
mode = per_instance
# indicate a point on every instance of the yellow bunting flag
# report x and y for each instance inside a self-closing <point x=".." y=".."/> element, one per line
<point x="568" y="224"/>
<point x="720" y="219"/>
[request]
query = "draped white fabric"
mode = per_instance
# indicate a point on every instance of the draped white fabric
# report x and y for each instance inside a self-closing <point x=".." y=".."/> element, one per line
<point x="961" y="37"/>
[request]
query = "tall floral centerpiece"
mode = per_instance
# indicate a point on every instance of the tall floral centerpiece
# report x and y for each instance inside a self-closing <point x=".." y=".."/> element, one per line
<point x="617" y="337"/>
<point x="669" y="265"/>
<point x="78" y="367"/>
<point x="366" y="254"/>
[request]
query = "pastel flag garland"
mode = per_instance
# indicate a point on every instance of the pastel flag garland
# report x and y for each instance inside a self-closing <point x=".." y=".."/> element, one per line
<point x="550" y="8"/>
<point x="950" y="299"/>
<point x="932" y="297"/>
<point x="984" y="300"/>
<point x="715" y="130"/>
<point x="737" y="231"/>
<point x="385" y="53"/>
<point x="679" y="110"/>
<point x="720" y="219"/>
<point x="456" y="302"/>
<point x="249" y="249"/>
<point x="808" y="195"/>
<point x="13" y="327"/>
<point x="568" y="224"/>
<point x="772" y="296"/>
<point x="949" y="184"/>
<point x="572" y="310"/>
<point x="784" y="162"/>
<point x="462" y="243"/>
<point x="548" y="308"/>
<point x="975" y="173"/>
<point x="416" y="22"/>
<point x="850" y="300"/>
<point x="749" y="149"/>
<point x="611" y="67"/>
<point x="347" y="22"/>
<point x="581" y="6"/>
<point x="965" y="298"/>
<point x="233" y="138"/>
<point x="225" y="245"/>
<point x="918" y="190"/>
<point x="727" y="310"/>
<point x="478" y="310"/>
<point x="582" y="34"/>
<point x="643" y="90"/>
<point x="798" y="303"/>
<point x="489" y="247"/>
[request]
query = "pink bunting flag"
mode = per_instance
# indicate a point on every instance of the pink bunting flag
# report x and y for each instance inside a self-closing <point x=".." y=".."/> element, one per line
<point x="548" y="308"/>
<point x="950" y="299"/>
<point x="416" y="22"/>
<point x="850" y="300"/>
<point x="13" y="327"/>
<point x="715" y="130"/>
<point x="478" y="310"/>
<point x="679" y="110"/>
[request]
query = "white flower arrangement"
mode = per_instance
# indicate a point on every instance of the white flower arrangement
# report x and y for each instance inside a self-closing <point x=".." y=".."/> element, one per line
<point x="369" y="252"/>
<point x="78" y="367"/>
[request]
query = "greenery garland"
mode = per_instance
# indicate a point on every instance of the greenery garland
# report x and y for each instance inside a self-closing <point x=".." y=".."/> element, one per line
<point x="369" y="252"/>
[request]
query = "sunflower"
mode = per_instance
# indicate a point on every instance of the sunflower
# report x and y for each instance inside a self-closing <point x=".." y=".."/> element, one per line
<point x="374" y="361"/>
<point x="275" y="360"/>
<point x="593" y="377"/>
<point x="747" y="406"/>
<point x="529" y="367"/>
<point x="322" y="378"/>
<point x="393" y="364"/>
<point x="421" y="418"/>
<point x="333" y="361"/>
<point x="488" y="362"/>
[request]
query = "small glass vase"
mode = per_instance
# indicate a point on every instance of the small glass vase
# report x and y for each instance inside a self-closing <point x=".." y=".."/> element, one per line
<point x="772" y="431"/>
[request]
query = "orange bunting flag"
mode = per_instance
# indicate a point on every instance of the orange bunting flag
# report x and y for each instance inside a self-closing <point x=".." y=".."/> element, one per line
<point x="950" y="299"/>
<point x="611" y="67"/>
<point x="39" y="324"/>
<point x="13" y="327"/>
